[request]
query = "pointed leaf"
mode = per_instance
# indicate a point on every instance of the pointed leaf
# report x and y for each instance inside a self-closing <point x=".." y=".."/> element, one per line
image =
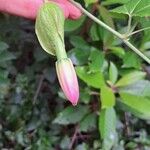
<point x="113" y="73"/>
<point x="95" y="79"/>
<point x="107" y="97"/>
<point x="137" y="105"/>
<point x="71" y="115"/>
<point x="135" y="8"/>
<point x="130" y="78"/>
<point x="107" y="127"/>
<point x="140" y="88"/>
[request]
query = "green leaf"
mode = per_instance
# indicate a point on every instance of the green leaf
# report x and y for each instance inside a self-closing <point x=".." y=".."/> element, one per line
<point x="118" y="51"/>
<point x="3" y="77"/>
<point x="49" y="27"/>
<point x="4" y="83"/>
<point x="137" y="105"/>
<point x="105" y="15"/>
<point x="88" y="123"/>
<point x="97" y="60"/>
<point x="131" y="60"/>
<point x="79" y="56"/>
<point x="110" y="2"/>
<point x="113" y="72"/>
<point x="3" y="46"/>
<point x="82" y="146"/>
<point x="107" y="97"/>
<point x="80" y="43"/>
<point x="95" y="79"/>
<point x="95" y="32"/>
<point x="130" y="78"/>
<point x="71" y="25"/>
<point x="6" y="56"/>
<point x="140" y="88"/>
<point x="88" y="2"/>
<point x="107" y="127"/>
<point x="71" y="115"/>
<point x="135" y="8"/>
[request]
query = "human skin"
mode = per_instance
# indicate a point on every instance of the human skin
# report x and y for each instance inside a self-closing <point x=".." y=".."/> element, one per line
<point x="29" y="8"/>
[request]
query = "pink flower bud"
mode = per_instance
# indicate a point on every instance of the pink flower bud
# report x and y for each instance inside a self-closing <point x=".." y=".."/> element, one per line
<point x="68" y="80"/>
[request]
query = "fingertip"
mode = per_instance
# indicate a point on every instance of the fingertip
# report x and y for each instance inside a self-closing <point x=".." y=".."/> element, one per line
<point x="74" y="13"/>
<point x="66" y="12"/>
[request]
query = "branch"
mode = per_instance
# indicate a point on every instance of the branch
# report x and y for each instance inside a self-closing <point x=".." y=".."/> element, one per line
<point x="137" y="31"/>
<point x="111" y="30"/>
<point x="129" y="23"/>
<point x="38" y="89"/>
<point x="74" y="137"/>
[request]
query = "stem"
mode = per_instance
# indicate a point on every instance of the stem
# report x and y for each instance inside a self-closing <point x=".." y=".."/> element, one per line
<point x="137" y="31"/>
<point x="38" y="89"/>
<point x="129" y="23"/>
<point x="60" y="50"/>
<point x="111" y="30"/>
<point x="137" y="51"/>
<point x="96" y="19"/>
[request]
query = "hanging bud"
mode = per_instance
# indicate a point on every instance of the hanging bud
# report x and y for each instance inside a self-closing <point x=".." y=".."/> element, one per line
<point x="50" y="32"/>
<point x="68" y="80"/>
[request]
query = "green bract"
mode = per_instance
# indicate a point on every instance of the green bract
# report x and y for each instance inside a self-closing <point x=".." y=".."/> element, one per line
<point x="50" y="28"/>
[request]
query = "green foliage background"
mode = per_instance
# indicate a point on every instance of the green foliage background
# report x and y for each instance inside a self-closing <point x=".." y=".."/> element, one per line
<point x="114" y="107"/>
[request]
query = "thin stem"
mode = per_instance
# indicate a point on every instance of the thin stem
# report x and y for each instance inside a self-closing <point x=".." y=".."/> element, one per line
<point x="133" y="27"/>
<point x="129" y="23"/>
<point x="74" y="137"/>
<point x="136" y="51"/>
<point x="38" y="89"/>
<point x="96" y="19"/>
<point x="137" y="31"/>
<point x="111" y="30"/>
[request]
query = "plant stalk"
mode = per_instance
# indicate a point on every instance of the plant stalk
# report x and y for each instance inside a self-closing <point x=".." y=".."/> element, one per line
<point x="129" y="23"/>
<point x="111" y="30"/>
<point x="137" y="31"/>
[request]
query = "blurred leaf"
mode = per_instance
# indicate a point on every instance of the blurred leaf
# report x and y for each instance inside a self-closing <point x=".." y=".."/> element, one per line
<point x="6" y="56"/>
<point x="71" y="25"/>
<point x="95" y="32"/>
<point x="130" y="78"/>
<point x="137" y="105"/>
<point x="80" y="43"/>
<point x="135" y="8"/>
<point x="145" y="23"/>
<point x="85" y="95"/>
<point x="95" y="79"/>
<point x="110" y="2"/>
<point x="97" y="60"/>
<point x="79" y="56"/>
<point x="105" y="14"/>
<point x="40" y="55"/>
<point x="107" y="127"/>
<point x="140" y="88"/>
<point x="130" y="59"/>
<point x="65" y="142"/>
<point x="113" y="72"/>
<point x="88" y="2"/>
<point x="88" y="123"/>
<point x="3" y="76"/>
<point x="107" y="97"/>
<point x="71" y="115"/>
<point x="82" y="146"/>
<point x="3" y="46"/>
<point x="118" y="51"/>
